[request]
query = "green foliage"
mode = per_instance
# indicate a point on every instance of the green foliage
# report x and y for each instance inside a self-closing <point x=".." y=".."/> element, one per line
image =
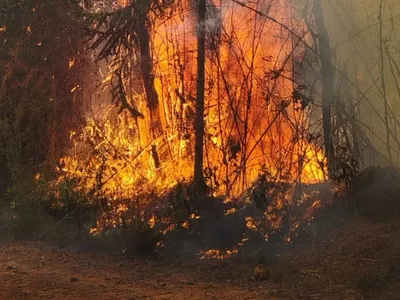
<point x="346" y="168"/>
<point x="37" y="107"/>
<point x="39" y="210"/>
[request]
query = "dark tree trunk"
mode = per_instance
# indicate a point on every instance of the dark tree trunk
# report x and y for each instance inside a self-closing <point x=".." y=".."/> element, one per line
<point x="199" y="121"/>
<point x="142" y="9"/>
<point x="327" y="75"/>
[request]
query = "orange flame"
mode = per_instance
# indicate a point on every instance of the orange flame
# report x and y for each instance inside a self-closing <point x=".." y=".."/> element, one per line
<point x="253" y="123"/>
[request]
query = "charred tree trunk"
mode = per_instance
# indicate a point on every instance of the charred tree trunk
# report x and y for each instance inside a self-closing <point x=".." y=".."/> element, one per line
<point x="327" y="76"/>
<point x="199" y="120"/>
<point x="142" y="8"/>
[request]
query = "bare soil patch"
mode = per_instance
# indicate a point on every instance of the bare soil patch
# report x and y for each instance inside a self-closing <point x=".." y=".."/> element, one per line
<point x="359" y="260"/>
<point x="35" y="271"/>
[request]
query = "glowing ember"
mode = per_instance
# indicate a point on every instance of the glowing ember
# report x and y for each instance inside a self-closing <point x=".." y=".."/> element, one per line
<point x="251" y="223"/>
<point x="186" y="225"/>
<point x="152" y="221"/>
<point x="71" y="62"/>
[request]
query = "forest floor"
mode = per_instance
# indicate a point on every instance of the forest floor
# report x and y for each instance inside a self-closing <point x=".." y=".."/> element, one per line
<point x="358" y="260"/>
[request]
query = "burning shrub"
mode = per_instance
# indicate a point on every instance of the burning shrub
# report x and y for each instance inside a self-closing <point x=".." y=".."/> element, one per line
<point x="253" y="118"/>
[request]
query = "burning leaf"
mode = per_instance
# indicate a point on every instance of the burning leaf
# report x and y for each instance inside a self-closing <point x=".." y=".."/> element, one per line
<point x="186" y="225"/>
<point x="93" y="231"/>
<point x="71" y="62"/>
<point x="152" y="221"/>
<point x="251" y="223"/>
<point x="194" y="217"/>
<point x="231" y="211"/>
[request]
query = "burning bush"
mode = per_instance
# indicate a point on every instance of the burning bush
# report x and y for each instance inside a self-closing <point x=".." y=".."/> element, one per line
<point x="136" y="162"/>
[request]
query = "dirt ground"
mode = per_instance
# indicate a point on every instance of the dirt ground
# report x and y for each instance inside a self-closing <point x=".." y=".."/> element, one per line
<point x="359" y="260"/>
<point x="35" y="271"/>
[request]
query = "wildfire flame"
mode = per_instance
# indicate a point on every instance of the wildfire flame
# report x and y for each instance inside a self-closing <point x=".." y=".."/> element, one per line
<point x="249" y="92"/>
<point x="253" y="121"/>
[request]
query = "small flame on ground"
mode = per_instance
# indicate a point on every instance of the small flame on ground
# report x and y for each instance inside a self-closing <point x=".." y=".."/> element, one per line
<point x="231" y="211"/>
<point x="218" y="254"/>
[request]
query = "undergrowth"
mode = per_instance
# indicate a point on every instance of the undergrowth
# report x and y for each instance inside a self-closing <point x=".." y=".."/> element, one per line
<point x="266" y="219"/>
